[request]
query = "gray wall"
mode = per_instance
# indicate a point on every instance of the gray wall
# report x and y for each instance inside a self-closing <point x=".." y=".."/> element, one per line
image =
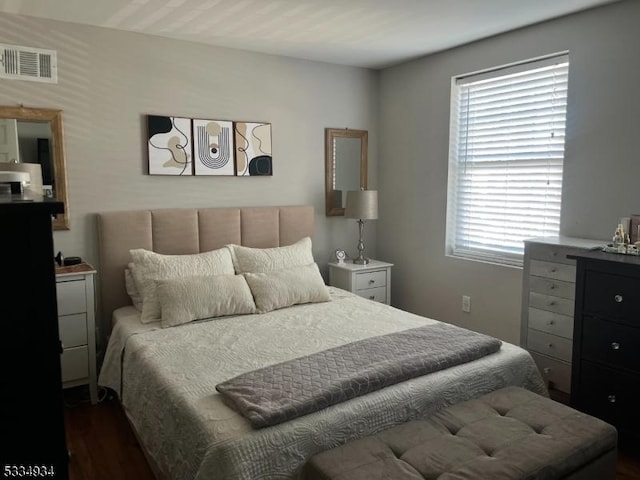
<point x="108" y="81"/>
<point x="601" y="175"/>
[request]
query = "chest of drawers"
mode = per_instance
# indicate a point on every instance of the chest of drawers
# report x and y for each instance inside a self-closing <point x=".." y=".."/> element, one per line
<point x="371" y="281"/>
<point x="548" y="299"/>
<point x="606" y="349"/>
<point x="76" y="323"/>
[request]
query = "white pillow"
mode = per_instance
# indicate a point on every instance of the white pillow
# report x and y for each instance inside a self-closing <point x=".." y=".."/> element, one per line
<point x="260" y="260"/>
<point x="284" y="288"/>
<point x="183" y="300"/>
<point x="150" y="266"/>
<point x="130" y="286"/>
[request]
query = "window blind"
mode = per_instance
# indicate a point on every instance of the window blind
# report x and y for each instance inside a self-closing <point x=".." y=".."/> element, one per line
<point x="506" y="159"/>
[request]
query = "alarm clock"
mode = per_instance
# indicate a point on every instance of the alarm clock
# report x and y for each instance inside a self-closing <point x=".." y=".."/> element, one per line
<point x="340" y="256"/>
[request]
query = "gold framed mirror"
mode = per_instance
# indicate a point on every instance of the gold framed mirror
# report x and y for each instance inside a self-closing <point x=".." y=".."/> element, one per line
<point x="345" y="166"/>
<point x="38" y="139"/>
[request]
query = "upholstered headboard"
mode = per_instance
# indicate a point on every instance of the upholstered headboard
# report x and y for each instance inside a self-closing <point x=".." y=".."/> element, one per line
<point x="188" y="230"/>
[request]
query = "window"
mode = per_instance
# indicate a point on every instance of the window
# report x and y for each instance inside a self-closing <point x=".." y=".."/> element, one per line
<point x="506" y="155"/>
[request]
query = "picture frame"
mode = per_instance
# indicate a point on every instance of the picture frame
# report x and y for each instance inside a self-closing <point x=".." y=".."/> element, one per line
<point x="169" y="145"/>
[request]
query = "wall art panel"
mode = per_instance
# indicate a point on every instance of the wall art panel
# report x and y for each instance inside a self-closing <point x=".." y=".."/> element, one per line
<point x="169" y="143"/>
<point x="253" y="148"/>
<point x="213" y="147"/>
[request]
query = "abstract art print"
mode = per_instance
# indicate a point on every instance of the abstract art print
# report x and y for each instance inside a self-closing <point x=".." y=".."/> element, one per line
<point x="253" y="148"/>
<point x="169" y="143"/>
<point x="213" y="147"/>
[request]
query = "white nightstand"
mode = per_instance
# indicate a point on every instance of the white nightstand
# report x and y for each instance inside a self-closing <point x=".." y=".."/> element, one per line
<point x="372" y="281"/>
<point x="76" y="323"/>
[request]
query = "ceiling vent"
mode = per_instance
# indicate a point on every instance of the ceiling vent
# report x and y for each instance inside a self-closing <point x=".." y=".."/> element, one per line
<point x="25" y="63"/>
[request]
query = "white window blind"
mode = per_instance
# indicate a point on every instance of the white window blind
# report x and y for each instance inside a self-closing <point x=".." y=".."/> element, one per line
<point x="506" y="158"/>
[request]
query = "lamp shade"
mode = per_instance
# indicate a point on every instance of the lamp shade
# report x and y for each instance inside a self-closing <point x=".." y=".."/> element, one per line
<point x="362" y="204"/>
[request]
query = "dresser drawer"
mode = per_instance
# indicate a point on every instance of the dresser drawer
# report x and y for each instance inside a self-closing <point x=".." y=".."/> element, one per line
<point x="610" y="395"/>
<point x="378" y="294"/>
<point x="371" y="279"/>
<point x="613" y="296"/>
<point x="613" y="344"/>
<point x="549" y="253"/>
<point x="71" y="297"/>
<point x="549" y="286"/>
<point x="557" y="271"/>
<point x="551" y="345"/>
<point x="556" y="374"/>
<point x="550" y="322"/>
<point x="73" y="330"/>
<point x="74" y="363"/>
<point x="550" y="303"/>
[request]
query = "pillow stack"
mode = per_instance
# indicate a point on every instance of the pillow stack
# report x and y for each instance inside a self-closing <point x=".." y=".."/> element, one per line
<point x="233" y="280"/>
<point x="282" y="276"/>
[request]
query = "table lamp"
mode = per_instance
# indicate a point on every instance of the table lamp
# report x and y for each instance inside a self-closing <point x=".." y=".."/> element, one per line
<point x="363" y="205"/>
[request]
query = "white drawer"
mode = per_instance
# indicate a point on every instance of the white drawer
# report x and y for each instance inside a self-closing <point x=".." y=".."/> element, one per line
<point x="378" y="294"/>
<point x="73" y="330"/>
<point x="556" y="374"/>
<point x="74" y="363"/>
<point x="549" y="286"/>
<point x="558" y="271"/>
<point x="367" y="280"/>
<point x="550" y="322"/>
<point x="550" y="253"/>
<point x="564" y="306"/>
<point x="551" y="345"/>
<point x="71" y="297"/>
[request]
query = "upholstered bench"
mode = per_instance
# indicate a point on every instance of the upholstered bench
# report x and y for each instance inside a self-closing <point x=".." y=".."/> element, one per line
<point x="507" y="434"/>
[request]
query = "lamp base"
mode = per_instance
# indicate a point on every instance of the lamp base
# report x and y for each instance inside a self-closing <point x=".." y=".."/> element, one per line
<point x="361" y="260"/>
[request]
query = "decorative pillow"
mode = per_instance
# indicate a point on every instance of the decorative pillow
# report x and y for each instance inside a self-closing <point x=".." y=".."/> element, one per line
<point x="131" y="288"/>
<point x="260" y="260"/>
<point x="183" y="300"/>
<point x="284" y="288"/>
<point x="150" y="266"/>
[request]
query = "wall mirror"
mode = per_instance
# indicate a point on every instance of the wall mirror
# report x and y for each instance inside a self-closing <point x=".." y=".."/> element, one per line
<point x="35" y="135"/>
<point x="345" y="166"/>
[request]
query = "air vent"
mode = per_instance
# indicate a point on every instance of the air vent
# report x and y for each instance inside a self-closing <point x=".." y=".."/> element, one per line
<point x="25" y="63"/>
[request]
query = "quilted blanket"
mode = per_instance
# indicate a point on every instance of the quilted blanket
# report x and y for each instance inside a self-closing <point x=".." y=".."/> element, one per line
<point x="300" y="386"/>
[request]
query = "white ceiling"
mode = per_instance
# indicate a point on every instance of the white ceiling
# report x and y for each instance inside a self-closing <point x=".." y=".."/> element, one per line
<point x="364" y="33"/>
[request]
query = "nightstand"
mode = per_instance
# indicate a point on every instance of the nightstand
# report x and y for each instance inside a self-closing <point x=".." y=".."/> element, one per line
<point x="76" y="323"/>
<point x="372" y="281"/>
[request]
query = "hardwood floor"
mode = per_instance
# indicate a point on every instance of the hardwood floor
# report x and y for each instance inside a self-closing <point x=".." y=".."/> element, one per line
<point x="103" y="447"/>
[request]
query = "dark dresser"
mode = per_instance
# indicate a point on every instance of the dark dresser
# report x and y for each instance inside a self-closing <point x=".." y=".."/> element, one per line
<point x="606" y="340"/>
<point x="34" y="444"/>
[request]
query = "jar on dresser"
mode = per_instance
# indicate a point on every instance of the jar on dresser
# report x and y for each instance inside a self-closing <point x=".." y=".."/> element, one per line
<point x="75" y="292"/>
<point x="548" y="297"/>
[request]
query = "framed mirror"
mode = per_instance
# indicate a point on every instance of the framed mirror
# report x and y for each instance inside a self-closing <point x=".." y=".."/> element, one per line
<point x="35" y="135"/>
<point x="345" y="166"/>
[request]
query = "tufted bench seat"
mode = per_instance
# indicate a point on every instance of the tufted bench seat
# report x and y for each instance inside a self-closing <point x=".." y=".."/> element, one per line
<point x="511" y="433"/>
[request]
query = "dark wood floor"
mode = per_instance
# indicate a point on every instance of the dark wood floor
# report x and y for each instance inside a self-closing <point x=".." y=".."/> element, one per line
<point x="103" y="446"/>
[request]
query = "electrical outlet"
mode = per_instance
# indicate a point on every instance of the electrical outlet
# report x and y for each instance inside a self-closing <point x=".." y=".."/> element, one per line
<point x="466" y="303"/>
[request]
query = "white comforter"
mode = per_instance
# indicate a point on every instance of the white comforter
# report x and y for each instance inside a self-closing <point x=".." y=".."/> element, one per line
<point x="166" y="380"/>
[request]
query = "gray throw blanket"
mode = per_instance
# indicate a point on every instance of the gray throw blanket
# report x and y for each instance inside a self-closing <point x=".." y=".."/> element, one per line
<point x="297" y="387"/>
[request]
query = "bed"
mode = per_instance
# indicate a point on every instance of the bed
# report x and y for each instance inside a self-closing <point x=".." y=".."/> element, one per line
<point x="165" y="378"/>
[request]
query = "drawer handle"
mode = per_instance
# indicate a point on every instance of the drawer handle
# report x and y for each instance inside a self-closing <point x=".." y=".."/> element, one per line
<point x="554" y="270"/>
<point x="618" y="298"/>
<point x="550" y="345"/>
<point x="552" y="303"/>
<point x="372" y="297"/>
<point x="615" y="346"/>
<point x="611" y="398"/>
<point x="552" y="286"/>
<point x="551" y="322"/>
<point x="546" y="370"/>
<point x="372" y="281"/>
